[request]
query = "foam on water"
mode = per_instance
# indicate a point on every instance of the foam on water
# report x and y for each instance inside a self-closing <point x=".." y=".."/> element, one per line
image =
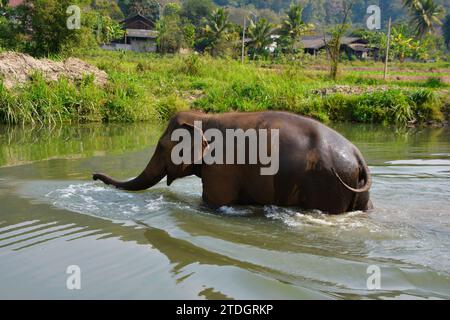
<point x="298" y="218"/>
<point x="421" y="162"/>
<point x="107" y="202"/>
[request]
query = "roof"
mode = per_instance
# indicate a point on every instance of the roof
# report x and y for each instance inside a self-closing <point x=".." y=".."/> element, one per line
<point x="359" y="47"/>
<point x="350" y="40"/>
<point x="137" y="16"/>
<point x="138" y="21"/>
<point x="141" y="33"/>
<point x="316" y="42"/>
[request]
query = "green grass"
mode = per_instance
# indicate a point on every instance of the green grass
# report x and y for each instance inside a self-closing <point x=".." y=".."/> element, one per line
<point x="146" y="87"/>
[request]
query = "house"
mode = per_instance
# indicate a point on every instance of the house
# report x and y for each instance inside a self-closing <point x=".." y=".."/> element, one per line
<point x="140" y="35"/>
<point x="357" y="47"/>
<point x="314" y="44"/>
<point x="352" y="46"/>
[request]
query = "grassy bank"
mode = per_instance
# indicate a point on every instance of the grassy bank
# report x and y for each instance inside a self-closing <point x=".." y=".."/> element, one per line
<point x="148" y="87"/>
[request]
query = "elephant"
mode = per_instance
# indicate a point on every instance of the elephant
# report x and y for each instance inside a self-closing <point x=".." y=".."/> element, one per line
<point x="318" y="167"/>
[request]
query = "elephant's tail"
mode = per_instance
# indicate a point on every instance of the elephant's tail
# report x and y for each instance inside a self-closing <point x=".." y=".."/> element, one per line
<point x="366" y="176"/>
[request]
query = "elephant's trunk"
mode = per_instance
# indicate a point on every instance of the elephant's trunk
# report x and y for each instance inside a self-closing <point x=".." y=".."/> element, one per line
<point x="152" y="174"/>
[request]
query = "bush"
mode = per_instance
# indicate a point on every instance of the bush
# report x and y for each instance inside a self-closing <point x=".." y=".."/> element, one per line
<point x="427" y="106"/>
<point x="168" y="106"/>
<point x="190" y="65"/>
<point x="434" y="82"/>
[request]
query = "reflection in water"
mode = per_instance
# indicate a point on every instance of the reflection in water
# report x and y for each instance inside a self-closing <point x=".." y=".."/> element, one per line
<point x="19" y="145"/>
<point x="164" y="243"/>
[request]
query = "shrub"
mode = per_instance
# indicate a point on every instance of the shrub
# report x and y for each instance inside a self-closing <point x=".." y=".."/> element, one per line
<point x="190" y="65"/>
<point x="427" y="106"/>
<point x="168" y="106"/>
<point x="434" y="82"/>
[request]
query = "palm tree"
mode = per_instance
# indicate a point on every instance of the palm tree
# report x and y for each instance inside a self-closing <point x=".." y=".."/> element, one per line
<point x="216" y="29"/>
<point x="294" y="27"/>
<point x="424" y="15"/>
<point x="260" y="35"/>
<point x="410" y="3"/>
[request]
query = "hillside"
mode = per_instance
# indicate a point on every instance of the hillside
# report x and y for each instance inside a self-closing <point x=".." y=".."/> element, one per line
<point x="315" y="11"/>
<point x="325" y="10"/>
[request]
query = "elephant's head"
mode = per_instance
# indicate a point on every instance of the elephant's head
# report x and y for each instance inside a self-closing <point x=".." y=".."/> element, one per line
<point x="161" y="164"/>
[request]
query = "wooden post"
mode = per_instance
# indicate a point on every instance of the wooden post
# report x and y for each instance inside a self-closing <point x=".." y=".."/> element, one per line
<point x="243" y="43"/>
<point x="387" y="49"/>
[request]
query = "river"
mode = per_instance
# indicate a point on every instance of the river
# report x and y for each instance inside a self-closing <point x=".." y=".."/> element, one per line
<point x="165" y="243"/>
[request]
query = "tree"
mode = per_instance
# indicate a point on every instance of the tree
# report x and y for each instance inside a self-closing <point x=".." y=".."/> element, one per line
<point x="107" y="8"/>
<point x="148" y="8"/>
<point x="216" y="30"/>
<point x="44" y="22"/>
<point x="446" y="31"/>
<point x="172" y="9"/>
<point x="173" y="32"/>
<point x="293" y="27"/>
<point x="260" y="35"/>
<point x="170" y="35"/>
<point x="269" y="15"/>
<point x="334" y="44"/>
<point x="9" y="35"/>
<point x="197" y="10"/>
<point x="424" y="15"/>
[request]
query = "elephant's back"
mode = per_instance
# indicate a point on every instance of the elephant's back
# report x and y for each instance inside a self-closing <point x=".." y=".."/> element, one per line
<point x="312" y="146"/>
<point x="303" y="129"/>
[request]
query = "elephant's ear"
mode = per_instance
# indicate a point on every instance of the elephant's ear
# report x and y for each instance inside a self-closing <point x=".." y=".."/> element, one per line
<point x="198" y="152"/>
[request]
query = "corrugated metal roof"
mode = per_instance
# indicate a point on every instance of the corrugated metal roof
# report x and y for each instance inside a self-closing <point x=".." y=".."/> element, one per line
<point x="317" y="42"/>
<point x="314" y="43"/>
<point x="359" y="47"/>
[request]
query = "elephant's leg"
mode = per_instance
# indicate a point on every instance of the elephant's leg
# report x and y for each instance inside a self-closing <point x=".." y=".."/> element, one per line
<point x="321" y="191"/>
<point x="220" y="187"/>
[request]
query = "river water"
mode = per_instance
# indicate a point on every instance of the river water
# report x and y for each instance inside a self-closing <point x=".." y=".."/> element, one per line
<point x="164" y="243"/>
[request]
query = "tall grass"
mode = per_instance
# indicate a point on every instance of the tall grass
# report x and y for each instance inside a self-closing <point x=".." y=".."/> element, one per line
<point x="149" y="87"/>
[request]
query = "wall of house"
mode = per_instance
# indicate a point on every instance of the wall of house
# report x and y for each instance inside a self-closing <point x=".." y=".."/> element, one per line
<point x="143" y="46"/>
<point x="136" y="46"/>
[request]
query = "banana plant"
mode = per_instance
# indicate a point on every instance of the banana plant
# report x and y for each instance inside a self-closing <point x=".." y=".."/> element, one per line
<point x="401" y="44"/>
